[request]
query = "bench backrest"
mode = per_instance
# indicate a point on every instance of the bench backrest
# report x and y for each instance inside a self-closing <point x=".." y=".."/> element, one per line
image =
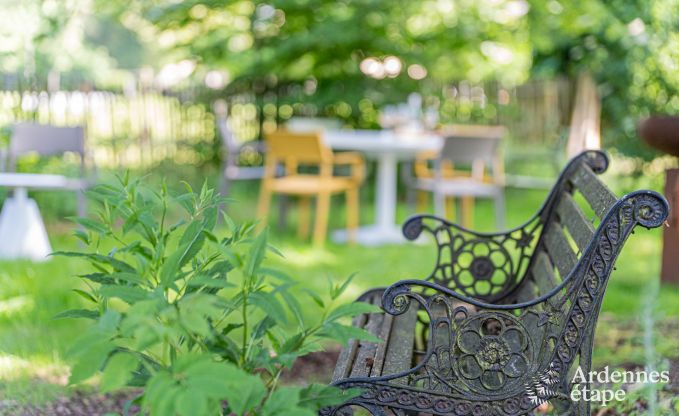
<point x="577" y="205"/>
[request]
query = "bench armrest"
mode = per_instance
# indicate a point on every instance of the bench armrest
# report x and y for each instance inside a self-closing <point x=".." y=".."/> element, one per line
<point x="465" y="257"/>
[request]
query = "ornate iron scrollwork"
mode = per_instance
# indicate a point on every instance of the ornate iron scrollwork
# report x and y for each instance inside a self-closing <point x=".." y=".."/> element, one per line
<point x="479" y="265"/>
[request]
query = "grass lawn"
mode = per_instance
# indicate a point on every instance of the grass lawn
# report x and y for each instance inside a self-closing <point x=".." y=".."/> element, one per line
<point x="32" y="344"/>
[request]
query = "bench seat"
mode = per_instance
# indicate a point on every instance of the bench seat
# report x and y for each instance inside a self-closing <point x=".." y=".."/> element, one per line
<point x="369" y="359"/>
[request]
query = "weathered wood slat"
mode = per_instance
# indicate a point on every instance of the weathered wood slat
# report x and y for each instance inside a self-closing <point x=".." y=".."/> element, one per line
<point x="560" y="252"/>
<point x="401" y="342"/>
<point x="575" y="221"/>
<point x="348" y="354"/>
<point x="365" y="354"/>
<point x="526" y="292"/>
<point x="543" y="273"/>
<point x="598" y="195"/>
<point x="382" y="347"/>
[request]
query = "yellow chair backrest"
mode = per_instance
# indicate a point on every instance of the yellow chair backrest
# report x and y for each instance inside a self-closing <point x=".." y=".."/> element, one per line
<point x="300" y="147"/>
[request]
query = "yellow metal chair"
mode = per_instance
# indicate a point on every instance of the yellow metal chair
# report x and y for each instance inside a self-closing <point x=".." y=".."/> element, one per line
<point x="293" y="150"/>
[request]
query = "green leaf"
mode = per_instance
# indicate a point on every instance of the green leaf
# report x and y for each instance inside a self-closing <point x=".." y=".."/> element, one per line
<point x="294" y="307"/>
<point x="129" y="277"/>
<point x="77" y="313"/>
<point x="275" y="250"/>
<point x="192" y="241"/>
<point x="256" y="254"/>
<point x="170" y="268"/>
<point x="160" y="394"/>
<point x="343" y="333"/>
<point x="85" y="295"/>
<point x="246" y="392"/>
<point x="117" y="265"/>
<point x="207" y="281"/>
<point x="92" y="225"/>
<point x="90" y="352"/>
<point x="270" y="304"/>
<point x="228" y="221"/>
<point x="293" y="344"/>
<point x="352" y="309"/>
<point x="190" y="244"/>
<point x="317" y="396"/>
<point x="314" y="296"/>
<point x="129" y="294"/>
<point x="261" y="327"/>
<point x="102" y="278"/>
<point x="337" y="291"/>
<point x="191" y="402"/>
<point x="108" y="322"/>
<point x="118" y="371"/>
<point x="285" y="402"/>
<point x="82" y="236"/>
<point x="194" y="311"/>
<point x="277" y="274"/>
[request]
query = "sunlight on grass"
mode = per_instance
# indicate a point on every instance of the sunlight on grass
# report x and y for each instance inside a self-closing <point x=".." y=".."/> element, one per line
<point x="299" y="256"/>
<point x="15" y="305"/>
<point x="13" y="368"/>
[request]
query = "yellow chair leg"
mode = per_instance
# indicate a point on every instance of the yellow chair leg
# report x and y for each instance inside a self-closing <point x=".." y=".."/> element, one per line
<point x="263" y="207"/>
<point x="450" y="208"/>
<point x="352" y="215"/>
<point x="321" y="223"/>
<point x="422" y="200"/>
<point x="468" y="212"/>
<point x="304" y="213"/>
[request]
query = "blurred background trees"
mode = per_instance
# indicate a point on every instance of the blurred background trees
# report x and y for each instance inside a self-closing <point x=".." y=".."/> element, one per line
<point x="349" y="58"/>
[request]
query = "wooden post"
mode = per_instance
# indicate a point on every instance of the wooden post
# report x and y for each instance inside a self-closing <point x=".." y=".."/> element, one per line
<point x="670" y="253"/>
<point x="585" y="121"/>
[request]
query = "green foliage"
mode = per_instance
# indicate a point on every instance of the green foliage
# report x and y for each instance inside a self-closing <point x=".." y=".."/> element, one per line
<point x="629" y="46"/>
<point x="196" y="319"/>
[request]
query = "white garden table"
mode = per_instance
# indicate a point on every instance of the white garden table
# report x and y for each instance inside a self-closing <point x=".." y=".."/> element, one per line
<point x="22" y="231"/>
<point x="387" y="148"/>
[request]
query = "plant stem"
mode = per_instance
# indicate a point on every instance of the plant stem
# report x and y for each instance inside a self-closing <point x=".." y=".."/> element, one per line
<point x="274" y="382"/>
<point x="245" y="323"/>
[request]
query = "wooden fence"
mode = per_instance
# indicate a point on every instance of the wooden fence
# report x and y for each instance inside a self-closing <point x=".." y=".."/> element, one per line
<point x="146" y="127"/>
<point x="121" y="130"/>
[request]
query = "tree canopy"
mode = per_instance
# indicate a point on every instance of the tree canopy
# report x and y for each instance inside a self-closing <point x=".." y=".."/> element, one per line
<point x="326" y="52"/>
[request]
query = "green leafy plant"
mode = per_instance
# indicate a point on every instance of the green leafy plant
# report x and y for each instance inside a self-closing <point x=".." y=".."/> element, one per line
<point x="195" y="318"/>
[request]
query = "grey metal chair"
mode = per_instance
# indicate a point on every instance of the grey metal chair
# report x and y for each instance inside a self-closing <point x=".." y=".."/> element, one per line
<point x="48" y="140"/>
<point x="231" y="170"/>
<point x="477" y="147"/>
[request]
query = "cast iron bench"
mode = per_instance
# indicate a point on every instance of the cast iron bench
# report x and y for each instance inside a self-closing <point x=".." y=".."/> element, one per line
<point x="504" y="319"/>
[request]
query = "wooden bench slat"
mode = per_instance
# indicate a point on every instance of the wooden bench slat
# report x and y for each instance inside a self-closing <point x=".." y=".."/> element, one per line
<point x="598" y="195"/>
<point x="575" y="221"/>
<point x="560" y="252"/>
<point x="380" y="353"/>
<point x="347" y="355"/>
<point x="543" y="273"/>
<point x="401" y="342"/>
<point x="365" y="354"/>
<point x="526" y="292"/>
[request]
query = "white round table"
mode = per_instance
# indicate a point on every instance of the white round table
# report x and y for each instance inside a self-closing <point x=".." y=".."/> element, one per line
<point x="22" y="231"/>
<point x="387" y="148"/>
